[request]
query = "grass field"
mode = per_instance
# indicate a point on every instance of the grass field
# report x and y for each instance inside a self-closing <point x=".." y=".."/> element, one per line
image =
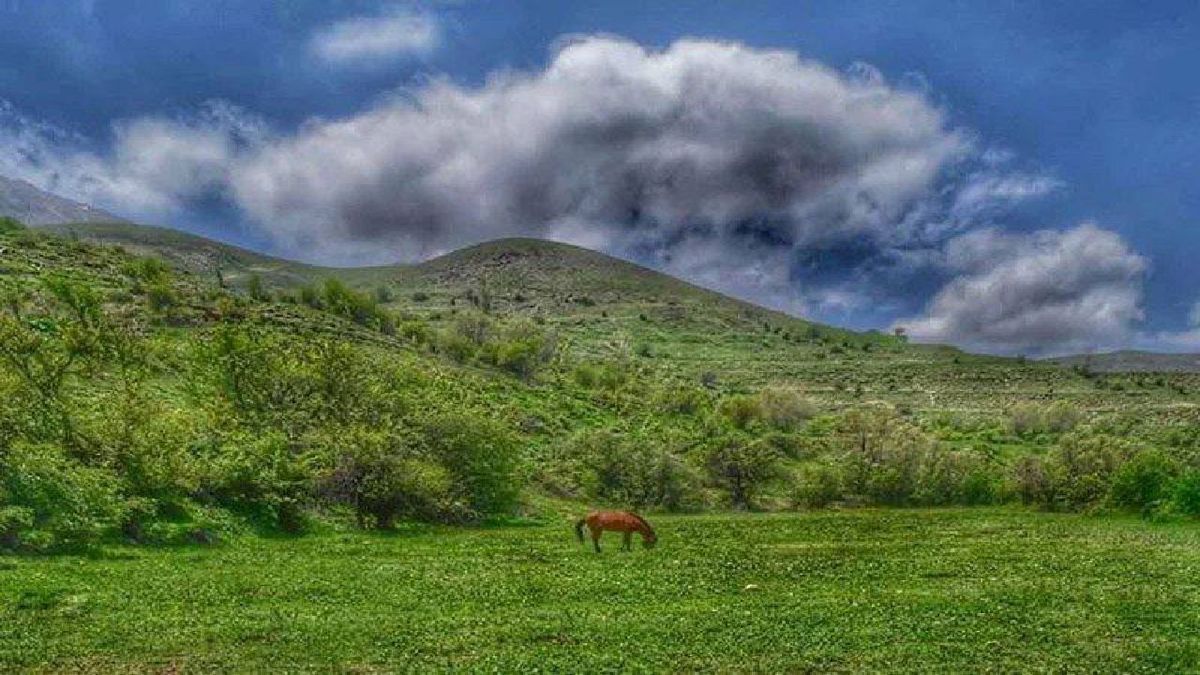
<point x="879" y="590"/>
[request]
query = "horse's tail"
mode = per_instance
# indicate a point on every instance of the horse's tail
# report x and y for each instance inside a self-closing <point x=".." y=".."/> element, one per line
<point x="579" y="529"/>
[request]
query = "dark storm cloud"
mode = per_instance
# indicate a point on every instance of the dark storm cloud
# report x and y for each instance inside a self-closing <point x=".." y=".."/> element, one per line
<point x="609" y="145"/>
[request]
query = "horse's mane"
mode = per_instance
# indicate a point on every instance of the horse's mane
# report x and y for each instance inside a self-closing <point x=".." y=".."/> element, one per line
<point x="642" y="521"/>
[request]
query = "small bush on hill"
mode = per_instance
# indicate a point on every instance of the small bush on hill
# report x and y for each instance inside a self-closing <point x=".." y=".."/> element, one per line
<point x="741" y="467"/>
<point x="1143" y="481"/>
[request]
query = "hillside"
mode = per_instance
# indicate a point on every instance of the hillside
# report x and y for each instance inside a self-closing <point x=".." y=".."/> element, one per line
<point x="606" y="308"/>
<point x="32" y="206"/>
<point x="1130" y="361"/>
<point x="508" y="378"/>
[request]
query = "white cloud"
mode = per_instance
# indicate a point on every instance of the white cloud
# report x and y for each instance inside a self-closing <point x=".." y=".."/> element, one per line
<point x="1049" y="291"/>
<point x="719" y="162"/>
<point x="642" y="148"/>
<point x="156" y="165"/>
<point x="368" y="39"/>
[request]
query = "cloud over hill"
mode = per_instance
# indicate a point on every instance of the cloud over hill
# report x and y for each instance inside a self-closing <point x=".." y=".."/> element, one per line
<point x="753" y="171"/>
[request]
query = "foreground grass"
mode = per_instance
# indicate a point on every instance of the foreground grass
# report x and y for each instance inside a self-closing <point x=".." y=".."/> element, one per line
<point x="950" y="590"/>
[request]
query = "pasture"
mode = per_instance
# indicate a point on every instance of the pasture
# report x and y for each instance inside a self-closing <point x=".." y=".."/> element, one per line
<point x="860" y="590"/>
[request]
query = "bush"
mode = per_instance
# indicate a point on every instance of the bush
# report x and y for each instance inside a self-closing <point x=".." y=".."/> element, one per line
<point x="58" y="501"/>
<point x="522" y="349"/>
<point x="1082" y="467"/>
<point x="262" y="477"/>
<point x="887" y="460"/>
<point x="1185" y="493"/>
<point x="633" y="473"/>
<point x="256" y="289"/>
<point x="1061" y="417"/>
<point x="1025" y="418"/>
<point x="9" y="224"/>
<point x="454" y="345"/>
<point x="817" y="486"/>
<point x="608" y="376"/>
<point x="161" y="296"/>
<point x="741" y="411"/>
<point x="383" y="480"/>
<point x="481" y="455"/>
<point x="1143" y="481"/>
<point x="148" y="270"/>
<point x="784" y="409"/>
<point x="681" y="399"/>
<point x="741" y="467"/>
<point x="1031" y="418"/>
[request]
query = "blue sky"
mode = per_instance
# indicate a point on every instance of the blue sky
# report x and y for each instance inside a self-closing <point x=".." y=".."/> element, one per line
<point x="1097" y="102"/>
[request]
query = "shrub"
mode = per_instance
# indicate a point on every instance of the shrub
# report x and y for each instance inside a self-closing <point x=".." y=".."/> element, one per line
<point x="1185" y="493"/>
<point x="310" y="296"/>
<point x="58" y="501"/>
<point x="522" y="349"/>
<point x="161" y="296"/>
<point x="1061" y="417"/>
<point x="1143" y="480"/>
<point x="954" y="477"/>
<point x="262" y="476"/>
<point x="454" y="345"/>
<point x="740" y="410"/>
<point x="384" y="479"/>
<point x="9" y="224"/>
<point x="360" y="308"/>
<point x="633" y="472"/>
<point x="384" y="294"/>
<point x="784" y="409"/>
<point x="481" y="455"/>
<point x="817" y="485"/>
<point x="1083" y="466"/>
<point x="1030" y="418"/>
<point x="608" y="376"/>
<point x="256" y="289"/>
<point x="741" y="467"/>
<point x="148" y="270"/>
<point x="680" y="399"/>
<point x="1025" y="418"/>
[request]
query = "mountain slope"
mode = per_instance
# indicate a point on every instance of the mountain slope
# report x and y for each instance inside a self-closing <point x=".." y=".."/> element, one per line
<point x="1131" y="361"/>
<point x="32" y="206"/>
<point x="610" y="310"/>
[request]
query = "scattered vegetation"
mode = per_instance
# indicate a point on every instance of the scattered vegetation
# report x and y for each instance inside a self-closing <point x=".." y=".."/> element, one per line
<point x="149" y="404"/>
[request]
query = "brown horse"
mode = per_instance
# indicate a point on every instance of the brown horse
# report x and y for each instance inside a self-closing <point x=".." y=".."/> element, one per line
<point x="624" y="522"/>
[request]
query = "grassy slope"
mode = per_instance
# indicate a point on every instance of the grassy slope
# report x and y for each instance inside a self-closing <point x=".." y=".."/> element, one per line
<point x="903" y="591"/>
<point x="608" y="308"/>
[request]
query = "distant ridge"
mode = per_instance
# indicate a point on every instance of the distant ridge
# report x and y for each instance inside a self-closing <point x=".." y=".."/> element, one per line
<point x="1132" y="361"/>
<point x="34" y="206"/>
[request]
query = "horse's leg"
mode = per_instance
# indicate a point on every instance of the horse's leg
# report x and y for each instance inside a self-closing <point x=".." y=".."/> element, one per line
<point x="596" y="538"/>
<point x="627" y="541"/>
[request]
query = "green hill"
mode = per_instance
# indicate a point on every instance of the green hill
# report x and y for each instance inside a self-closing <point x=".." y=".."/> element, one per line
<point x="177" y="403"/>
<point x="609" y="308"/>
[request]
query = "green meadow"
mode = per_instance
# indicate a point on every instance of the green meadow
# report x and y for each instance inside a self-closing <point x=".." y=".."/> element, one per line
<point x="951" y="590"/>
<point x="212" y="460"/>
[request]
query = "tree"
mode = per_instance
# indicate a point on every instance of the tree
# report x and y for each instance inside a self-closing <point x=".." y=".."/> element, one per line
<point x="741" y="467"/>
<point x="9" y="224"/>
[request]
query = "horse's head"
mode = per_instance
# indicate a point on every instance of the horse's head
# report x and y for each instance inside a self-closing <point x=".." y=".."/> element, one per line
<point x="649" y="539"/>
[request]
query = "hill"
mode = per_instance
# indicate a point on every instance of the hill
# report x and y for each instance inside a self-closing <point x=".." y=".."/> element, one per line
<point x="32" y="206"/>
<point x="1130" y="361"/>
<point x="606" y="308"/>
<point x="500" y="379"/>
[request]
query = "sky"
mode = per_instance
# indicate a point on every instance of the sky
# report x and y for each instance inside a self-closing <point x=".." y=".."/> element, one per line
<point x="1011" y="177"/>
